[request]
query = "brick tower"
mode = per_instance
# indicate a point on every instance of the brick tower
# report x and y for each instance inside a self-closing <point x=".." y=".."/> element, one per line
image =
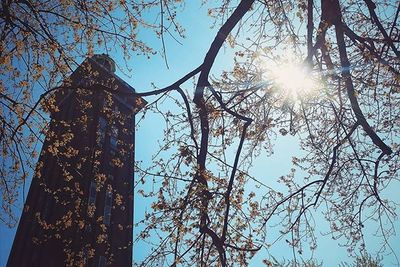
<point x="79" y="209"/>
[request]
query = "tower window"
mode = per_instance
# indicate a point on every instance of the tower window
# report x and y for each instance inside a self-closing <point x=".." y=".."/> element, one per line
<point x="105" y="104"/>
<point x="114" y="137"/>
<point x="113" y="140"/>
<point x="85" y="256"/>
<point x="101" y="133"/>
<point x="102" y="261"/>
<point x="92" y="193"/>
<point x="107" y="208"/>
<point x="88" y="228"/>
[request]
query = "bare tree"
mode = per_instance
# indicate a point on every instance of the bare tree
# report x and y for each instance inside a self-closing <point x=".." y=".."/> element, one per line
<point x="346" y="130"/>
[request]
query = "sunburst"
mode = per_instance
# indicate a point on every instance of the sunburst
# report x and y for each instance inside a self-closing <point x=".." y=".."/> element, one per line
<point x="290" y="77"/>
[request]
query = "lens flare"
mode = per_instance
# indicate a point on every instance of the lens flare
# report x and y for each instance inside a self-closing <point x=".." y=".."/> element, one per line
<point x="290" y="77"/>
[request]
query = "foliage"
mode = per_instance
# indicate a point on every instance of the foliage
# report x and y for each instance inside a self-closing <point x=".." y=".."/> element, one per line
<point x="350" y="153"/>
<point x="203" y="213"/>
<point x="292" y="263"/>
<point x="365" y="260"/>
<point x="41" y="42"/>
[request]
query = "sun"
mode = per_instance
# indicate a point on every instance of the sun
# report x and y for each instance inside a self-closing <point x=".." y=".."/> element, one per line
<point x="290" y="77"/>
<point x="293" y="78"/>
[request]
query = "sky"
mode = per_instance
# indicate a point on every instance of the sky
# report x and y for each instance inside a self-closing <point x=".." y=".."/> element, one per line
<point x="182" y="59"/>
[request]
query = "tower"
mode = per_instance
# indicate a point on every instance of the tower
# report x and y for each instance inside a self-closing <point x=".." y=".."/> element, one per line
<point x="79" y="209"/>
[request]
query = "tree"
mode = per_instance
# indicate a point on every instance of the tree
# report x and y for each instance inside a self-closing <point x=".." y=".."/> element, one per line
<point x="40" y="42"/>
<point x="284" y="263"/>
<point x="365" y="260"/>
<point x="202" y="210"/>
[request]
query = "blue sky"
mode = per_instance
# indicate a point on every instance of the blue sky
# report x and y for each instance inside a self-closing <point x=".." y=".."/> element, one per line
<point x="190" y="55"/>
<point x="182" y="59"/>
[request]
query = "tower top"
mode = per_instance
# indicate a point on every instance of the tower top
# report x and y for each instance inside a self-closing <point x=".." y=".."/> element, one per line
<point x="106" y="61"/>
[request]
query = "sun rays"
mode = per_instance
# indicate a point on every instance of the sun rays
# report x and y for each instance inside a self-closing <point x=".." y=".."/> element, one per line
<point x="290" y="77"/>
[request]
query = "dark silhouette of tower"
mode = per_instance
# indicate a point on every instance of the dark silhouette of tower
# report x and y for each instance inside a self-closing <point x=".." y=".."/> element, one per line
<point x="79" y="210"/>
